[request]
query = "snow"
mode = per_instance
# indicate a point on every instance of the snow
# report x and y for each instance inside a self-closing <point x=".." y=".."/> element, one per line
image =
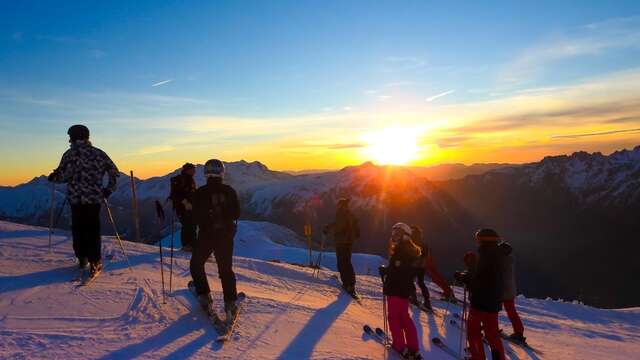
<point x="289" y="314"/>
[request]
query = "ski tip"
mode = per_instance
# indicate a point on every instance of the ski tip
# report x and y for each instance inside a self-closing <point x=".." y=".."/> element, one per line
<point x="367" y="329"/>
<point x="436" y="341"/>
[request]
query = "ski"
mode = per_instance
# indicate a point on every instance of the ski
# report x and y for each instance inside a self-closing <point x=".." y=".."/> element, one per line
<point x="522" y="344"/>
<point x="215" y="320"/>
<point x="384" y="335"/>
<point x="380" y="338"/>
<point x="444" y="347"/>
<point x="231" y="323"/>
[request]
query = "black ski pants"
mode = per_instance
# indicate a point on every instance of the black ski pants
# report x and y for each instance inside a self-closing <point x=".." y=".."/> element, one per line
<point x="345" y="267"/>
<point x="420" y="272"/>
<point x="188" y="231"/>
<point x="85" y="230"/>
<point x="220" y="243"/>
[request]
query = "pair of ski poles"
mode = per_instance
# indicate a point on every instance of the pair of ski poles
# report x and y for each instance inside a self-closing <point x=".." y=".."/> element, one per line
<point x="316" y="270"/>
<point x="54" y="220"/>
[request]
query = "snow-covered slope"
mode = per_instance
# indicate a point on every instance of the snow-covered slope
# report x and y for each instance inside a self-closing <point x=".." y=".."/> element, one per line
<point x="289" y="314"/>
<point x="266" y="241"/>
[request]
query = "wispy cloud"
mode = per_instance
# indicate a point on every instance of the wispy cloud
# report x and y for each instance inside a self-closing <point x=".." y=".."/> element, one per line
<point x="434" y="97"/>
<point x="151" y="150"/>
<point x="600" y="133"/>
<point x="163" y="82"/>
<point x="590" y="40"/>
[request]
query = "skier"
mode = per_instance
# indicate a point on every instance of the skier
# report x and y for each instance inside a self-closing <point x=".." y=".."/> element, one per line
<point x="346" y="230"/>
<point x="509" y="294"/>
<point x="216" y="210"/>
<point x="484" y="281"/>
<point x="398" y="278"/>
<point x="183" y="186"/>
<point x="83" y="167"/>
<point x="416" y="237"/>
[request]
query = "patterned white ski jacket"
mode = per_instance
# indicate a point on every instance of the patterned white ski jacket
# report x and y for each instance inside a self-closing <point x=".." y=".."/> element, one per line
<point x="83" y="167"/>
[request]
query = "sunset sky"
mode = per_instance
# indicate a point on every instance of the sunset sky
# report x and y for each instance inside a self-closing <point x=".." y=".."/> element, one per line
<point x="316" y="84"/>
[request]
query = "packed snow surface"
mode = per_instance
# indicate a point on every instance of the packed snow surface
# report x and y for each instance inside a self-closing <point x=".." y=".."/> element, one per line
<point x="289" y="314"/>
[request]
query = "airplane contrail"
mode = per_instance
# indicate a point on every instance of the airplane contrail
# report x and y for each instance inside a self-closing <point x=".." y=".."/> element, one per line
<point x="162" y="82"/>
<point x="430" y="99"/>
<point x="610" y="132"/>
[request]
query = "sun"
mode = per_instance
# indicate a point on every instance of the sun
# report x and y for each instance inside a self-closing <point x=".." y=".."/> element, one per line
<point x="392" y="146"/>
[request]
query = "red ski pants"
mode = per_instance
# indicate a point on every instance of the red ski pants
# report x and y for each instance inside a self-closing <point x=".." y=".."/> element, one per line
<point x="403" y="330"/>
<point x="479" y="320"/>
<point x="510" y="308"/>
<point x="436" y="277"/>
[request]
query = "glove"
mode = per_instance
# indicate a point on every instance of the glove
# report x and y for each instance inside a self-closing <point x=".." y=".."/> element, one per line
<point x="461" y="276"/>
<point x="382" y="270"/>
<point x="106" y="193"/>
<point x="53" y="176"/>
<point x="187" y="204"/>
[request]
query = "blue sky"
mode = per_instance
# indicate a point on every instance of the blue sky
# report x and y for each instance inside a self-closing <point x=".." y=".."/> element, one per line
<point x="313" y="64"/>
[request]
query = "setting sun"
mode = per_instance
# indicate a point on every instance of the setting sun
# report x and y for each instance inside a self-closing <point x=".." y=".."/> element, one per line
<point x="392" y="146"/>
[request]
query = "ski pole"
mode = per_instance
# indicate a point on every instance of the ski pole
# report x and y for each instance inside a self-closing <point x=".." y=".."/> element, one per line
<point x="171" y="264"/>
<point x="160" y="217"/>
<point x="52" y="210"/>
<point x="115" y="230"/>
<point x="462" y="324"/>
<point x="446" y="312"/>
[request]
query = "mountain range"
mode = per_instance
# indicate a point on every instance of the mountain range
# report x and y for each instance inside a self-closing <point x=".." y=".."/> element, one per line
<point x="572" y="219"/>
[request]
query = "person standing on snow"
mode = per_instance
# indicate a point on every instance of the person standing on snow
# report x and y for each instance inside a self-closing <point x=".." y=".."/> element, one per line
<point x="216" y="210"/>
<point x="416" y="237"/>
<point x="429" y="268"/>
<point x="485" y="282"/>
<point x="345" y="230"/>
<point x="398" y="279"/>
<point x="83" y="168"/>
<point x="183" y="186"/>
<point x="509" y="294"/>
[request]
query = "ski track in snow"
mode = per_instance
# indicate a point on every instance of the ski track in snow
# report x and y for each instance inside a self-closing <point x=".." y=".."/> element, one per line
<point x="289" y="314"/>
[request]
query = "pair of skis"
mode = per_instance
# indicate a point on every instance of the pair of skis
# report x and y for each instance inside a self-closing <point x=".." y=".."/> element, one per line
<point x="224" y="328"/>
<point x="381" y="337"/>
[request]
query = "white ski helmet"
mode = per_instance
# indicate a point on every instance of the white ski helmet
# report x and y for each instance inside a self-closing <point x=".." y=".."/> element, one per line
<point x="214" y="168"/>
<point x="402" y="228"/>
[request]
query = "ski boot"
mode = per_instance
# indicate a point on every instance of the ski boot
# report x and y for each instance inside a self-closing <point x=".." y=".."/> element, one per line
<point x="206" y="302"/>
<point x="82" y="263"/>
<point x="230" y="309"/>
<point x="518" y="337"/>
<point x="411" y="355"/>
<point x="95" y="268"/>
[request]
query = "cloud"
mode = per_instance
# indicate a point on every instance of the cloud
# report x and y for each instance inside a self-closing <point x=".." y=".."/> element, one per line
<point x="344" y="146"/>
<point x="451" y="142"/>
<point x="151" y="150"/>
<point x="163" y="82"/>
<point x="65" y="39"/>
<point x="590" y="40"/>
<point x="434" y="97"/>
<point x="600" y="133"/>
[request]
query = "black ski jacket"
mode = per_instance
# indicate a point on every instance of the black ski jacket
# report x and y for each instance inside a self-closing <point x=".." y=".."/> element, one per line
<point x="401" y="271"/>
<point x="215" y="208"/>
<point x="346" y="228"/>
<point x="183" y="186"/>
<point x="486" y="282"/>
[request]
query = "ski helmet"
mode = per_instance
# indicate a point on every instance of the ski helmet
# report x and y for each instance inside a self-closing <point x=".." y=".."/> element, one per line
<point x="487" y="235"/>
<point x="188" y="166"/>
<point x="403" y="229"/>
<point x="214" y="168"/>
<point x="78" y="132"/>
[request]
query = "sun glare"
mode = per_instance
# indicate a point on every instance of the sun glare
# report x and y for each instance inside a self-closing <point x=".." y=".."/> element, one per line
<point x="394" y="146"/>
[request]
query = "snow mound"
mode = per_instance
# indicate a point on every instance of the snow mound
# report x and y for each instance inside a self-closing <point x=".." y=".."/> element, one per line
<point x="289" y="314"/>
